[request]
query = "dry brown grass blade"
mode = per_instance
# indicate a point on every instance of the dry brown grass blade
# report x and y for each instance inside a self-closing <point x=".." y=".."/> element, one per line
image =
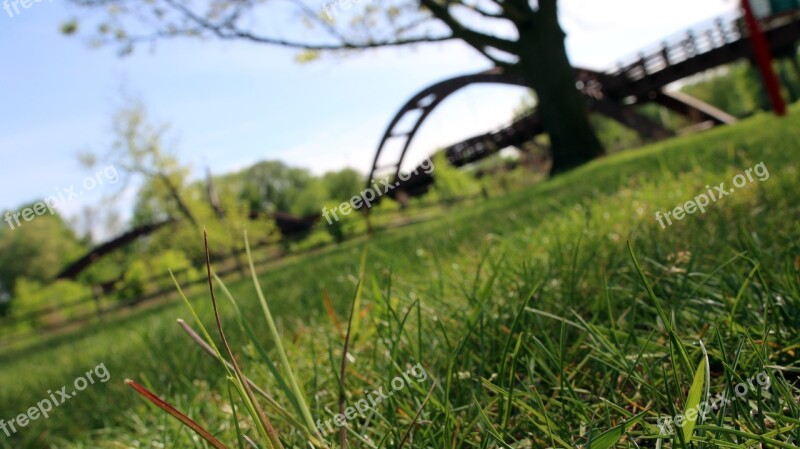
<point x="416" y="417"/>
<point x="163" y="405"/>
<point x="331" y="313"/>
<point x="271" y="434"/>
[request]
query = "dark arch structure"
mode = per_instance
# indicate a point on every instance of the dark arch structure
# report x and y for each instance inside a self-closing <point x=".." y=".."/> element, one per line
<point x="611" y="93"/>
<point x="424" y="102"/>
<point x="419" y="107"/>
<point x="77" y="267"/>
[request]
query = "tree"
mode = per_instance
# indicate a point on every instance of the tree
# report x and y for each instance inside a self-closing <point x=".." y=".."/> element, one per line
<point x="154" y="202"/>
<point x="166" y="195"/>
<point x="531" y="44"/>
<point x="269" y="186"/>
<point x="139" y="150"/>
<point x="37" y="250"/>
<point x="310" y="199"/>
<point x="343" y="184"/>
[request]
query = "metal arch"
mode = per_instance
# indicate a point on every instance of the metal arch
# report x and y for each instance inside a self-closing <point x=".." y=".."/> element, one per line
<point x="426" y="101"/>
<point x="430" y="97"/>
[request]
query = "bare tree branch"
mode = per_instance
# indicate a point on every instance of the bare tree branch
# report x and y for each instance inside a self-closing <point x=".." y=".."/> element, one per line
<point x="477" y="9"/>
<point x="230" y="31"/>
<point x="475" y="39"/>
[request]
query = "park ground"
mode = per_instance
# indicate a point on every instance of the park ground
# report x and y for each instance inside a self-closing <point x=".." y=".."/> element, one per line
<point x="532" y="315"/>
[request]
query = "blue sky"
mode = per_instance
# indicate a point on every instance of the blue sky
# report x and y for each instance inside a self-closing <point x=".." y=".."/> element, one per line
<point x="231" y="104"/>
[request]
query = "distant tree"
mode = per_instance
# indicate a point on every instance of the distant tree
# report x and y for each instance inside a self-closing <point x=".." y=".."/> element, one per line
<point x="273" y="186"/>
<point x="519" y="36"/>
<point x="343" y="184"/>
<point x="225" y="231"/>
<point x="139" y="149"/>
<point x="251" y="195"/>
<point x="310" y="199"/>
<point x="37" y="250"/>
<point x="154" y="202"/>
<point x="269" y="186"/>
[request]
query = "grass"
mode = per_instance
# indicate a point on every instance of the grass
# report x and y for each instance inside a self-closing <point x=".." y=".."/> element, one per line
<point x="561" y="315"/>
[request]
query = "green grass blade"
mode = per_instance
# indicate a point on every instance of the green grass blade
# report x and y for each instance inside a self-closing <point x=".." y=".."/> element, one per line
<point x="610" y="437"/>
<point x="673" y="336"/>
<point x="693" y="400"/>
<point x="235" y="418"/>
<point x="259" y="347"/>
<point x="489" y="426"/>
<point x="299" y="396"/>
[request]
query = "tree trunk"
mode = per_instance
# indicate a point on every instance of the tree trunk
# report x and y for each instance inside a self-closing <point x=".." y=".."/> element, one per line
<point x="544" y="63"/>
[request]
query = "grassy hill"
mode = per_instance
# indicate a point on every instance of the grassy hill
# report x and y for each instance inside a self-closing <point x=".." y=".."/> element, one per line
<point x="532" y="322"/>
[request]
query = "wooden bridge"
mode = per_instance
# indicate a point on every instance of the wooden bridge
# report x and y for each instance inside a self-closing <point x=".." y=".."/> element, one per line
<point x="613" y="93"/>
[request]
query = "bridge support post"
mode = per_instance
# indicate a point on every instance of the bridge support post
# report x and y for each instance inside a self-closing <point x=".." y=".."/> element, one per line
<point x="764" y="59"/>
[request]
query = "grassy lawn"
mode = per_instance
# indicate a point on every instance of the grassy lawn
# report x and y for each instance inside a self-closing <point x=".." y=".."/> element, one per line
<point x="531" y="321"/>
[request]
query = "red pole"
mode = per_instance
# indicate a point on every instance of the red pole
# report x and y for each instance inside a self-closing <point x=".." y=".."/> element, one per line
<point x="764" y="60"/>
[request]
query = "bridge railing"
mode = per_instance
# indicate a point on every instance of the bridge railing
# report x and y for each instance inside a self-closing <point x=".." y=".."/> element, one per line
<point x="700" y="39"/>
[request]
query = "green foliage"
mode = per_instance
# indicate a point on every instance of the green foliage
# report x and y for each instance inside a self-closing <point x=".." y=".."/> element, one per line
<point x="613" y="135"/>
<point x="318" y="237"/>
<point x="310" y="199"/>
<point x="110" y="267"/>
<point x="346" y="226"/>
<point x="154" y="202"/>
<point x="135" y="280"/>
<point x="32" y="295"/>
<point x="512" y="180"/>
<point x="224" y="231"/>
<point x="250" y="194"/>
<point x="273" y="186"/>
<point x="736" y="89"/>
<point x="338" y="229"/>
<point x="693" y="400"/>
<point x="36" y="250"/>
<point x="452" y="183"/>
<point x="151" y="275"/>
<point x="5" y="300"/>
<point x="175" y="261"/>
<point x="166" y="193"/>
<point x="69" y="27"/>
<point x="269" y="186"/>
<point x="343" y="184"/>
